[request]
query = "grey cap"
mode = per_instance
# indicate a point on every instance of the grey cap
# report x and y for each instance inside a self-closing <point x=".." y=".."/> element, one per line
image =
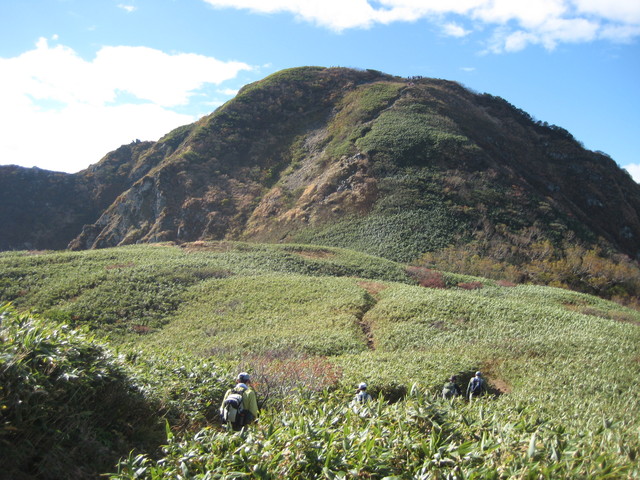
<point x="243" y="377"/>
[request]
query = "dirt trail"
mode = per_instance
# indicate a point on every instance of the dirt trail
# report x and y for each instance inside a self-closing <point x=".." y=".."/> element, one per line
<point x="496" y="383"/>
<point x="373" y="288"/>
<point x="500" y="385"/>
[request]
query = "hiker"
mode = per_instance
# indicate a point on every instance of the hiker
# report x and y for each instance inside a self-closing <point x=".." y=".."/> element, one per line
<point x="451" y="388"/>
<point x="362" y="396"/>
<point x="477" y="386"/>
<point x="240" y="404"/>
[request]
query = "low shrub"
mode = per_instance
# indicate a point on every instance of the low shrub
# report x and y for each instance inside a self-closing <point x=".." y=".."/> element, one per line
<point x="426" y="277"/>
<point x="278" y="376"/>
<point x="419" y="437"/>
<point x="67" y="408"/>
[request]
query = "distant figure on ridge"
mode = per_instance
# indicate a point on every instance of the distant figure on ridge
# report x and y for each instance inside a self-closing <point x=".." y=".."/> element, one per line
<point x="362" y="396"/>
<point x="451" y="388"/>
<point x="240" y="404"/>
<point x="477" y="386"/>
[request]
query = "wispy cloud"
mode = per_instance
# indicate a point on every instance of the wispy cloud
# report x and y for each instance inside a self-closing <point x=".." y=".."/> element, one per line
<point x="127" y="8"/>
<point x="455" y="30"/>
<point x="123" y="92"/>
<point x="516" y="23"/>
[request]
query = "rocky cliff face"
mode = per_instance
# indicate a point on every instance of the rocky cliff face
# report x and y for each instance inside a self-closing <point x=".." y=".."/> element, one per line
<point x="337" y="156"/>
<point x="46" y="210"/>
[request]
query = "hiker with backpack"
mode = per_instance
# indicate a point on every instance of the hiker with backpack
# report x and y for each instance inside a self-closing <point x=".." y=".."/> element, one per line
<point x="240" y="404"/>
<point x="477" y="386"/>
<point x="451" y="388"/>
<point x="362" y="396"/>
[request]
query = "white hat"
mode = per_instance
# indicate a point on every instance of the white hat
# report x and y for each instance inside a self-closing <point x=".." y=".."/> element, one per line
<point x="362" y="386"/>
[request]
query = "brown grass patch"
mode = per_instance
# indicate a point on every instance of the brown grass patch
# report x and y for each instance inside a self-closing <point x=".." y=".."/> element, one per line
<point x="120" y="266"/>
<point x="374" y="288"/>
<point x="623" y="317"/>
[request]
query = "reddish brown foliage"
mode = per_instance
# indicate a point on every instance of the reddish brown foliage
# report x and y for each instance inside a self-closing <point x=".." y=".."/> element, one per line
<point x="426" y="277"/>
<point x="141" y="329"/>
<point x="278" y="374"/>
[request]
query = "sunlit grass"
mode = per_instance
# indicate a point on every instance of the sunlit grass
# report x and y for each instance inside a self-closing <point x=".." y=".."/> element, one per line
<point x="562" y="366"/>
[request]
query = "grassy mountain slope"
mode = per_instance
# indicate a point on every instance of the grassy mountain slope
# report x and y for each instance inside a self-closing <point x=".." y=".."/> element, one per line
<point x="357" y="159"/>
<point x="563" y="366"/>
<point x="363" y="160"/>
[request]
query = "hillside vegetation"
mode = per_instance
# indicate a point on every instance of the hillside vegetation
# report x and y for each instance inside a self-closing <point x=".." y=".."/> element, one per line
<point x="163" y="329"/>
<point x="391" y="166"/>
<point x="418" y="170"/>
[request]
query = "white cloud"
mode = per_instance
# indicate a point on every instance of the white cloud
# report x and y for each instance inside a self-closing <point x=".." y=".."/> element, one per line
<point x="620" y="33"/>
<point x="337" y="15"/>
<point x="127" y="8"/>
<point x="518" y="23"/>
<point x="455" y="30"/>
<point x="634" y="170"/>
<point x="616" y="11"/>
<point x="228" y="91"/>
<point x="549" y="35"/>
<point x="77" y="107"/>
<point x="516" y="41"/>
<point x="527" y="14"/>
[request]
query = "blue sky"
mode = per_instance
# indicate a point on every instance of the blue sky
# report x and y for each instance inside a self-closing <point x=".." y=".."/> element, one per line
<point x="78" y="78"/>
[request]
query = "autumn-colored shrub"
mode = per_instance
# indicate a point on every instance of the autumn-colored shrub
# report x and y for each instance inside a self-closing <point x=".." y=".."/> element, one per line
<point x="426" y="277"/>
<point x="585" y="269"/>
<point x="277" y="375"/>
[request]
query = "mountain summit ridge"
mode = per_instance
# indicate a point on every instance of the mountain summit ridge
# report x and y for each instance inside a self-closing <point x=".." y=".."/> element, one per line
<point x="354" y="158"/>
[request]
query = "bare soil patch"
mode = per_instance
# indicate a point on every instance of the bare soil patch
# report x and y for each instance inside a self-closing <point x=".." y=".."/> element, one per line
<point x="497" y="385"/>
<point x="500" y="385"/>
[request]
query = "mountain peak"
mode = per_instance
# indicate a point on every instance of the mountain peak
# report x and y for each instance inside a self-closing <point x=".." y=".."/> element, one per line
<point x="356" y="158"/>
